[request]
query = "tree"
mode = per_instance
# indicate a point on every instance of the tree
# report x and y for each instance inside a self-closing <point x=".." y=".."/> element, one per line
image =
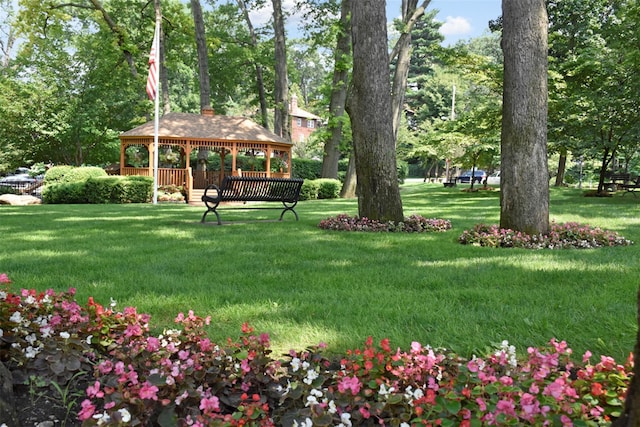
<point x="342" y="64"/>
<point x="401" y="52"/>
<point x="524" y="196"/>
<point x="282" y="119"/>
<point x="371" y="115"/>
<point x="262" y="97"/>
<point x="203" y="54"/>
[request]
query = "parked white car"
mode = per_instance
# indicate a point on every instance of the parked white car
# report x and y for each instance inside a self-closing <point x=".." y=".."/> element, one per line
<point x="494" y="178"/>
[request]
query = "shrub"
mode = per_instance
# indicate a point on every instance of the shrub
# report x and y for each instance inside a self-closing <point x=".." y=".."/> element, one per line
<point x="561" y="236"/>
<point x="67" y="192"/>
<point x="328" y="188"/>
<point x="64" y="174"/>
<point x="306" y="169"/>
<point x="5" y="189"/>
<point x="309" y="189"/>
<point x="92" y="185"/>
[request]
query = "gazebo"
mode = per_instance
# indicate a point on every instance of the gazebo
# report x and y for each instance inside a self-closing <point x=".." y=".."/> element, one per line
<point x="194" y="149"/>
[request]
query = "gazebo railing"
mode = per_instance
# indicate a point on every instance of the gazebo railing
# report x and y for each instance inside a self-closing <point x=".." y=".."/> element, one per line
<point x="166" y="176"/>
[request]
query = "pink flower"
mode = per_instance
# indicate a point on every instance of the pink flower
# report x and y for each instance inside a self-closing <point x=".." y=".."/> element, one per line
<point x="205" y="345"/>
<point x="210" y="404"/>
<point x="148" y="391"/>
<point x="349" y="383"/>
<point x="365" y="413"/>
<point x="87" y="410"/>
<point x="94" y="390"/>
<point x="153" y="344"/>
<point x="481" y="404"/>
<point x="105" y="367"/>
<point x="4" y="278"/>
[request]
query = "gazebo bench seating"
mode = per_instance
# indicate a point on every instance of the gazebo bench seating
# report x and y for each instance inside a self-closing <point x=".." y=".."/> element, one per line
<point x="253" y="189"/>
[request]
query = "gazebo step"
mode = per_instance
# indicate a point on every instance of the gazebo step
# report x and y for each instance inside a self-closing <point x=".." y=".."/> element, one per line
<point x="196" y="197"/>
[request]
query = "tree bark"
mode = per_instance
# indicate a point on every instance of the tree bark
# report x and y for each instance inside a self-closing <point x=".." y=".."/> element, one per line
<point x="524" y="195"/>
<point x="371" y="116"/>
<point x="281" y="126"/>
<point x="262" y="96"/>
<point x="348" y="190"/>
<point x="410" y="14"/>
<point x="562" y="167"/>
<point x="338" y="95"/>
<point x="203" y="57"/>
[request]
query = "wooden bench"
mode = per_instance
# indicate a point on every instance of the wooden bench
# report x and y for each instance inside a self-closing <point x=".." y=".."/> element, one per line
<point x="253" y="189"/>
<point x="631" y="187"/>
<point x="617" y="180"/>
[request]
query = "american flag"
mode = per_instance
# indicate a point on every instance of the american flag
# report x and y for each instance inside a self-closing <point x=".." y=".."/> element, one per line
<point x="152" y="80"/>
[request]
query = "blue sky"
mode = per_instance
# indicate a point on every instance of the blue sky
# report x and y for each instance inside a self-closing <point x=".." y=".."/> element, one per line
<point x="462" y="19"/>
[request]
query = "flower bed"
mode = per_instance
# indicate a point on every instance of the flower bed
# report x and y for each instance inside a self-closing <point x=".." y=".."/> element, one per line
<point x="562" y="236"/>
<point x="411" y="224"/>
<point x="183" y="378"/>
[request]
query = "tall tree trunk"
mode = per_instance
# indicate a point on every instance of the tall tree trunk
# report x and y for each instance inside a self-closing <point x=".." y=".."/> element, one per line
<point x="262" y="96"/>
<point x="410" y="14"/>
<point x="562" y="167"/>
<point x="203" y="57"/>
<point x="338" y="94"/>
<point x="282" y="122"/>
<point x="348" y="190"/>
<point x="524" y="195"/>
<point x="370" y="112"/>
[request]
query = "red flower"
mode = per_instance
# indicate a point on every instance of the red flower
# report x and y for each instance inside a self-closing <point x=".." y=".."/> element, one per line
<point x="596" y="389"/>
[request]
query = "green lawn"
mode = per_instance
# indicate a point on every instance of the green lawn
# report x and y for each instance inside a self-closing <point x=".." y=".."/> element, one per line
<point x="304" y="285"/>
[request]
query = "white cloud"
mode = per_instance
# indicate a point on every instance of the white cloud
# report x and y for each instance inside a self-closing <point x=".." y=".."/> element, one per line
<point x="456" y="25"/>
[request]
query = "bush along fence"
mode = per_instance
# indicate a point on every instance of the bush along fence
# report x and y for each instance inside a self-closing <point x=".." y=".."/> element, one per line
<point x="181" y="377"/>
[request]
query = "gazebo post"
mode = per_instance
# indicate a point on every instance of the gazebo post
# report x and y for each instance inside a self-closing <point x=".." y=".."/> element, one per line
<point x="268" y="161"/>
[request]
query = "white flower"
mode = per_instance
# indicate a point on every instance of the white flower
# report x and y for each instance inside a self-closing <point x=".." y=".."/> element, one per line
<point x="306" y="423"/>
<point x="125" y="415"/>
<point x="1" y="335"/>
<point x="404" y="425"/>
<point x="346" y="419"/>
<point x="30" y="300"/>
<point x="305" y="365"/>
<point x="295" y="364"/>
<point x="3" y="296"/>
<point x="46" y="331"/>
<point x="65" y="335"/>
<point x="311" y="400"/>
<point x="311" y="375"/>
<point x="384" y="391"/>
<point x="31" y="352"/>
<point x="113" y="303"/>
<point x="315" y="392"/>
<point x="89" y="338"/>
<point x="31" y="338"/>
<point x="332" y="407"/>
<point x="16" y="317"/>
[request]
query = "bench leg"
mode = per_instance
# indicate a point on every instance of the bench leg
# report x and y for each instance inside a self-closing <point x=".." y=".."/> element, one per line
<point x="290" y="209"/>
<point x="215" y="212"/>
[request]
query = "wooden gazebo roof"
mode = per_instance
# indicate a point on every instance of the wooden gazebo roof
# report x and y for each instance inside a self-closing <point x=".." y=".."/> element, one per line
<point x="206" y="127"/>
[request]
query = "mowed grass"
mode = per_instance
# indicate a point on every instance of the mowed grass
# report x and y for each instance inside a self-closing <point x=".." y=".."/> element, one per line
<point x="304" y="285"/>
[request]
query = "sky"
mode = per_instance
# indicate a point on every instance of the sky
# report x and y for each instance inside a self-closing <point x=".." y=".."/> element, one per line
<point x="462" y="19"/>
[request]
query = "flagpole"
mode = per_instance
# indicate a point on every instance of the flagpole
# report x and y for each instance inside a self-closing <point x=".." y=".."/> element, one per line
<point x="156" y="113"/>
